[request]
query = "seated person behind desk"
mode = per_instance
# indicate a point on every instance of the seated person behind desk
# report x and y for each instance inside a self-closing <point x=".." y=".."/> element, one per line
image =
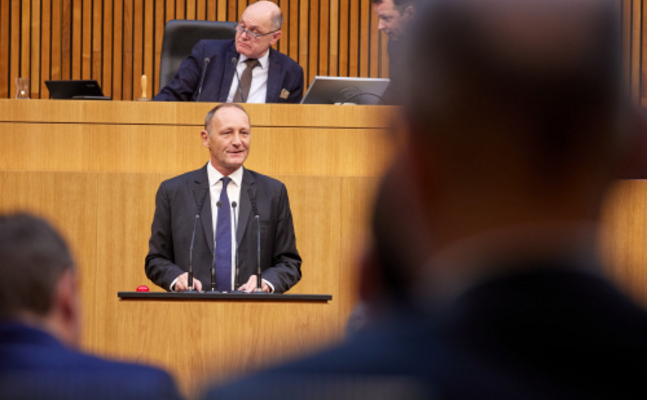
<point x="227" y="135"/>
<point x="40" y="326"/>
<point x="266" y="76"/>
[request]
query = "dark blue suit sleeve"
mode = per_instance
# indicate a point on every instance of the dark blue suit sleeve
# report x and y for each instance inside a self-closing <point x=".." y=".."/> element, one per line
<point x="187" y="79"/>
<point x="160" y="267"/>
<point x="285" y="271"/>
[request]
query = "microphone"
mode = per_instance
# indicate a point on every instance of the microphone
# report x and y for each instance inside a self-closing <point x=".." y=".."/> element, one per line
<point x="195" y="224"/>
<point x="204" y="72"/>
<point x="213" y="263"/>
<point x="237" y="273"/>
<point x="259" y="273"/>
<point x="240" y="89"/>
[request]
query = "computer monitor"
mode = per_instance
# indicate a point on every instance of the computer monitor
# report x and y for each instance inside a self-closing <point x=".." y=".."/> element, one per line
<point x="338" y="90"/>
<point x="75" y="89"/>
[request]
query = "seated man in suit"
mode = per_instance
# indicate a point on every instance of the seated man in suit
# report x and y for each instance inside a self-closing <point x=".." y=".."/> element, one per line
<point x="40" y="326"/>
<point x="517" y="122"/>
<point x="266" y="76"/>
<point x="191" y="207"/>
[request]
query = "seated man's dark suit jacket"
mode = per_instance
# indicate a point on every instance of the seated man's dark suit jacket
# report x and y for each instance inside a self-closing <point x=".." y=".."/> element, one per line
<point x="283" y="73"/>
<point x="178" y="201"/>
<point x="543" y="334"/>
<point x="34" y="365"/>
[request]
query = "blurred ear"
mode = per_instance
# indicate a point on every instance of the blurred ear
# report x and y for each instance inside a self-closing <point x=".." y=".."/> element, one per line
<point x="409" y="12"/>
<point x="275" y="38"/>
<point x="67" y="308"/>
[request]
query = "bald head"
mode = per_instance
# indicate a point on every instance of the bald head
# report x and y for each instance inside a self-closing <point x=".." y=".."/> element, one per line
<point x="265" y="9"/>
<point x="515" y="109"/>
<point x="541" y="77"/>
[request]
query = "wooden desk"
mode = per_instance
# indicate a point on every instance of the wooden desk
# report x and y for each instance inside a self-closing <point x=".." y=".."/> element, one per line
<point x="93" y="168"/>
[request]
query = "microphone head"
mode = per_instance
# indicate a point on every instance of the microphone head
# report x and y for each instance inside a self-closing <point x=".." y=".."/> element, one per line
<point x="207" y="60"/>
<point x="218" y="204"/>
<point x="234" y="204"/>
<point x="234" y="60"/>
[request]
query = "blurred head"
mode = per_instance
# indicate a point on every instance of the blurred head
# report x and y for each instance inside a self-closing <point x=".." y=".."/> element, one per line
<point x="227" y="135"/>
<point x="262" y="18"/>
<point x="39" y="282"/>
<point x="513" y="109"/>
<point x="394" y="15"/>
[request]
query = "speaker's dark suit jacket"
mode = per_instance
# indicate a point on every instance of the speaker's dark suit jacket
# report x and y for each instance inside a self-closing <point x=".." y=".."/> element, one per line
<point x="283" y="74"/>
<point x="34" y="365"/>
<point x="543" y="334"/>
<point x="178" y="201"/>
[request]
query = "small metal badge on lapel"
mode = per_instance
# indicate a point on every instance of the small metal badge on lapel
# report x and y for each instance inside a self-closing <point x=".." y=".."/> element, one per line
<point x="284" y="94"/>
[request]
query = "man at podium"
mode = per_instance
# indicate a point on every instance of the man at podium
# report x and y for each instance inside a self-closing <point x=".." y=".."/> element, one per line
<point x="223" y="235"/>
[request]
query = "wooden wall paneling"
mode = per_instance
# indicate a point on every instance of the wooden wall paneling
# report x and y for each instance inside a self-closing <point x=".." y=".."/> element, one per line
<point x="316" y="204"/>
<point x="25" y="40"/>
<point x="221" y="10"/>
<point x="169" y="13"/>
<point x="46" y="42"/>
<point x="33" y="59"/>
<point x="149" y="49"/>
<point x="107" y="52"/>
<point x="242" y="5"/>
<point x="127" y="79"/>
<point x="333" y="39"/>
<point x="304" y="21"/>
<point x="160" y="21"/>
<point x="212" y="10"/>
<point x="138" y="48"/>
<point x="56" y="197"/>
<point x="66" y="40"/>
<point x="57" y="37"/>
<point x="312" y="50"/>
<point x="324" y="26"/>
<point x="232" y="10"/>
<point x="97" y="42"/>
<point x="180" y="9"/>
<point x="5" y="19"/>
<point x="14" y="70"/>
<point x="190" y="7"/>
<point x="118" y="45"/>
<point x="344" y="37"/>
<point x="282" y="45"/>
<point x="201" y="10"/>
<point x="357" y="197"/>
<point x="86" y="42"/>
<point x="624" y="235"/>
<point x="636" y="47"/>
<point x="625" y="15"/>
<point x="77" y="38"/>
<point x="123" y="217"/>
<point x="353" y="43"/>
<point x="375" y="59"/>
<point x="364" y="37"/>
<point x="293" y="38"/>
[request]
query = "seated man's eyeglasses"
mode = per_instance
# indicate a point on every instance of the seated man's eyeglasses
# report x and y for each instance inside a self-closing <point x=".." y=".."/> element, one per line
<point x="250" y="34"/>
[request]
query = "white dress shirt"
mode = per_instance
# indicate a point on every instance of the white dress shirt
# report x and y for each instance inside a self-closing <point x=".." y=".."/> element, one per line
<point x="258" y="90"/>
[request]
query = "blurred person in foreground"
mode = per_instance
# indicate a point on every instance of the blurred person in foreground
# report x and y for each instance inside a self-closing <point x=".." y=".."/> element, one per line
<point x="40" y="326"/>
<point x="517" y="125"/>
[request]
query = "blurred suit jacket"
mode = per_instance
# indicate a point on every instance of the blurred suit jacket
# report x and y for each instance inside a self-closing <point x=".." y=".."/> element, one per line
<point x="34" y="365"/>
<point x="549" y="333"/>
